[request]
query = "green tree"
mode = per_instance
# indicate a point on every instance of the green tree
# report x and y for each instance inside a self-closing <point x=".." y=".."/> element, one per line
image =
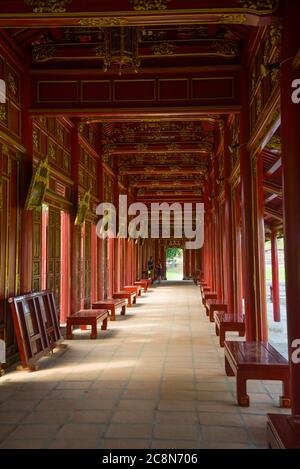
<point x="173" y="252"/>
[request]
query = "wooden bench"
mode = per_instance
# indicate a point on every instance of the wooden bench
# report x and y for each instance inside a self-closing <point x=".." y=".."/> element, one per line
<point x="112" y="305"/>
<point x="133" y="288"/>
<point x="129" y="296"/>
<point x="227" y="322"/>
<point x="203" y="290"/>
<point x="212" y="306"/>
<point x="283" y="431"/>
<point x="209" y="295"/>
<point x="87" y="317"/>
<point x="256" y="360"/>
<point x="143" y="284"/>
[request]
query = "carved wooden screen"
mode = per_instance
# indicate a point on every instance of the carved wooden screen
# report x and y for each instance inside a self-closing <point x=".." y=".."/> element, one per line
<point x="54" y="254"/>
<point x="9" y="244"/>
<point x="87" y="265"/>
<point x="36" y="325"/>
<point x="37" y="251"/>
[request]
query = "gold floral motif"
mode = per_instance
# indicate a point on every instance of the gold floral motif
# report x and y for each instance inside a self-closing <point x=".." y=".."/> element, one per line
<point x="164" y="48"/>
<point x="35" y="139"/>
<point x="103" y="22"/>
<point x="232" y="19"/>
<point x="226" y="48"/>
<point x="52" y="151"/>
<point x="12" y="86"/>
<point x="266" y="6"/>
<point x="148" y="5"/>
<point x="48" y="6"/>
<point x="100" y="51"/>
<point x="43" y="120"/>
<point x="276" y="32"/>
<point x="275" y="143"/>
<point x="60" y="134"/>
<point x="43" y="52"/>
<point x="3" y="114"/>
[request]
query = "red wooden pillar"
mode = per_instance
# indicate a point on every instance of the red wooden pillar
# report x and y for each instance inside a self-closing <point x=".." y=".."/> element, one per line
<point x="256" y="329"/>
<point x="75" y="230"/>
<point x="290" y="125"/>
<point x="228" y="265"/>
<point x="275" y="277"/>
<point x="117" y="263"/>
<point x="26" y="173"/>
<point x="259" y="246"/>
<point x="111" y="267"/>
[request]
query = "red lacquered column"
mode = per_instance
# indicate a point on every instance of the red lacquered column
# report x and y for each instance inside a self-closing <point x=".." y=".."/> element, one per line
<point x="247" y="214"/>
<point x="228" y="267"/>
<point x="75" y="230"/>
<point x="259" y="247"/>
<point x="275" y="277"/>
<point x="26" y="173"/>
<point x="290" y="125"/>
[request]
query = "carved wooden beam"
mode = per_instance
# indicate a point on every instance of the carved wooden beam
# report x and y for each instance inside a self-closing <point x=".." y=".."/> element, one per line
<point x="35" y="13"/>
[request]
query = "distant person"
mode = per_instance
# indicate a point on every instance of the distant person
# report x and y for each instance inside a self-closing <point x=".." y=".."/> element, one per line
<point x="150" y="267"/>
<point x="159" y="271"/>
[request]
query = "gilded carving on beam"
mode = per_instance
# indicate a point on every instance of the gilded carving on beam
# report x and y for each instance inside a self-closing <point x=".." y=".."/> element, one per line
<point x="103" y="22"/>
<point x="276" y="32"/>
<point x="148" y="5"/>
<point x="164" y="48"/>
<point x="3" y="114"/>
<point x="48" y="6"/>
<point x="12" y="86"/>
<point x="275" y="143"/>
<point x="232" y="19"/>
<point x="35" y="139"/>
<point x="52" y="150"/>
<point x="260" y="6"/>
<point x="226" y="48"/>
<point x="43" y="52"/>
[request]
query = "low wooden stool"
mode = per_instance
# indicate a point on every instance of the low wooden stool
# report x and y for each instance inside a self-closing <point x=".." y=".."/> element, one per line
<point x="227" y="322"/>
<point x="129" y="296"/>
<point x="87" y="317"/>
<point x="256" y="360"/>
<point x="212" y="306"/>
<point x="283" y="431"/>
<point x="111" y="304"/>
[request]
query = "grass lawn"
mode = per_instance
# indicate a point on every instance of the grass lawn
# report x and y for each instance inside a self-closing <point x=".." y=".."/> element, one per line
<point x="174" y="275"/>
<point x="269" y="274"/>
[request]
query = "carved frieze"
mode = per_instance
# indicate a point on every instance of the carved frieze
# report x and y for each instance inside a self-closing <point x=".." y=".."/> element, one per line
<point x="48" y="6"/>
<point x="43" y="52"/>
<point x="262" y="6"/>
<point x="164" y="48"/>
<point x="148" y="5"/>
<point x="103" y="22"/>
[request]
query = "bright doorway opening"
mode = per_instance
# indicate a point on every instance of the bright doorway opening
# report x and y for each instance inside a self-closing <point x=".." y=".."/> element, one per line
<point x="174" y="264"/>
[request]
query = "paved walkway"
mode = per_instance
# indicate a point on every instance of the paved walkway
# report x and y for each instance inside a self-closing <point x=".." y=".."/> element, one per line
<point x="155" y="379"/>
